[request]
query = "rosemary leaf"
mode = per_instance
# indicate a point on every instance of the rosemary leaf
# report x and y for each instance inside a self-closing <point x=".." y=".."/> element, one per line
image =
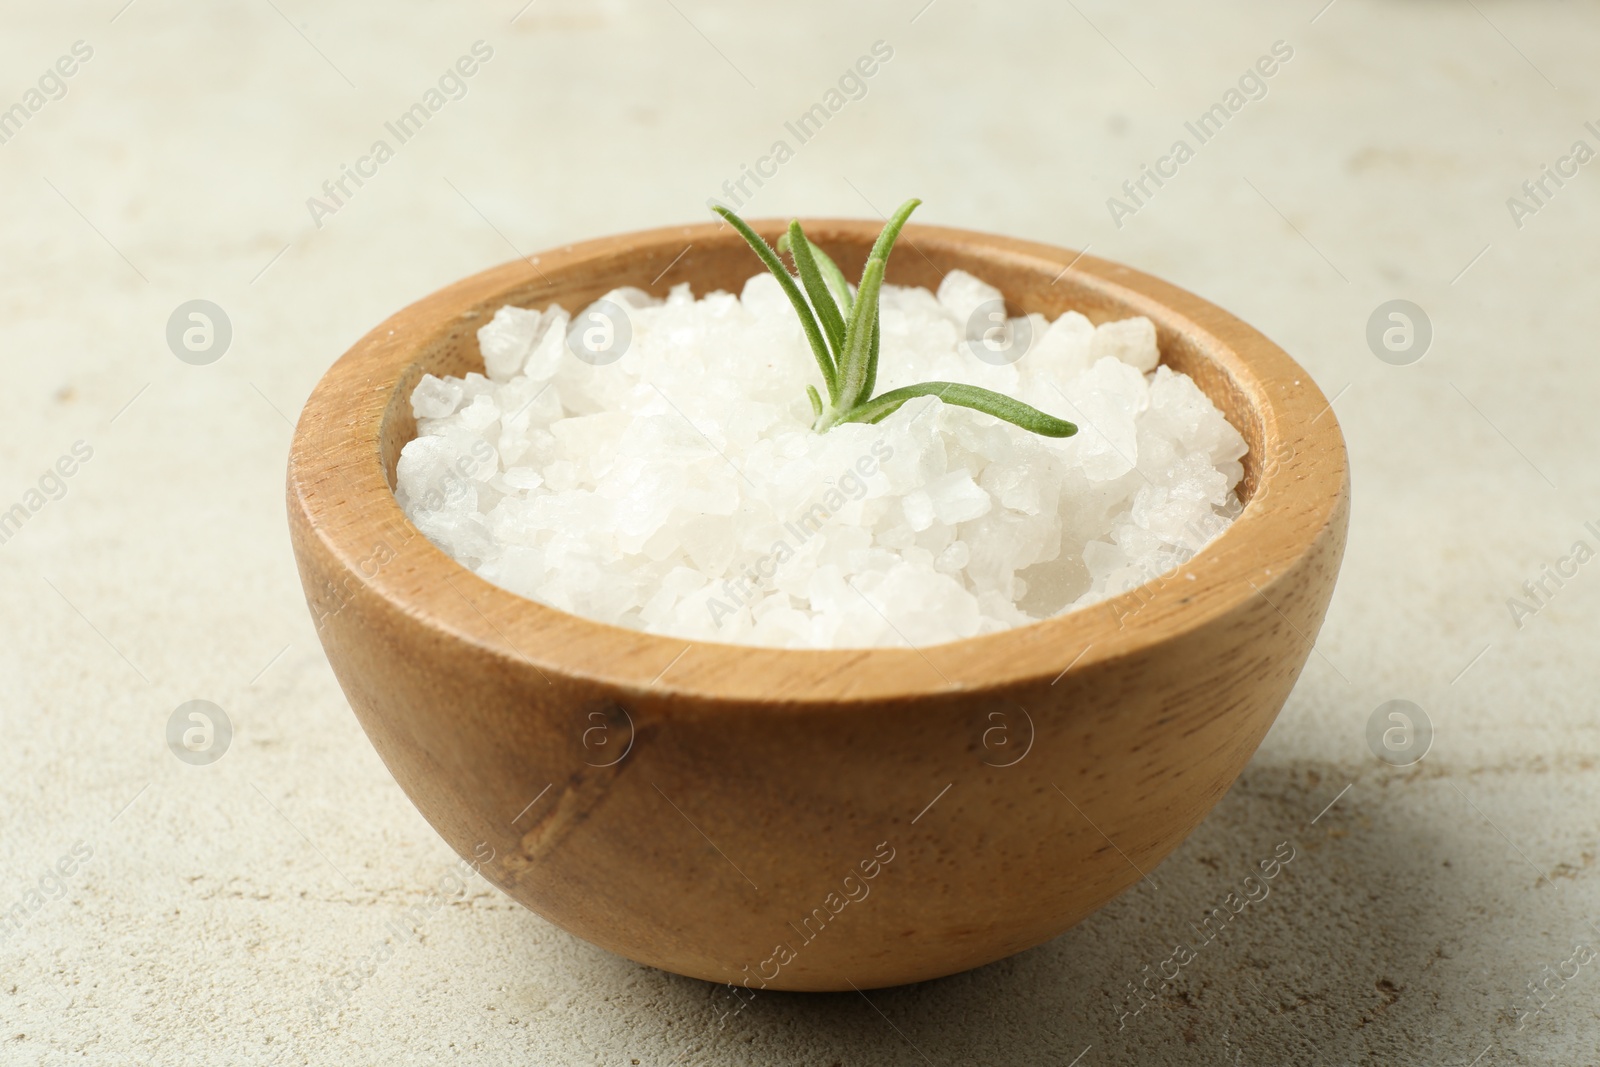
<point x="967" y="396"/>
<point x="857" y="353"/>
<point x="835" y="279"/>
<point x="891" y="229"/>
<point x="872" y="364"/>
<point x="811" y="277"/>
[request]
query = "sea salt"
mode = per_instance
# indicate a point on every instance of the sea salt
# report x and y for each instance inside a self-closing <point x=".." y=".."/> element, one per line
<point x="651" y="464"/>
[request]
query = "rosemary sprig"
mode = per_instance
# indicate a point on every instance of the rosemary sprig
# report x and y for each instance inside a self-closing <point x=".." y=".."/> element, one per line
<point x="843" y="333"/>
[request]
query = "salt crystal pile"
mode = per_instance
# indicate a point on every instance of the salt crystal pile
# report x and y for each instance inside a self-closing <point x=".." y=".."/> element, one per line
<point x="669" y="481"/>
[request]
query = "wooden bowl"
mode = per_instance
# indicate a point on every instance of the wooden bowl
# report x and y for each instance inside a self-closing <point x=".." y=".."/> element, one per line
<point x="814" y="820"/>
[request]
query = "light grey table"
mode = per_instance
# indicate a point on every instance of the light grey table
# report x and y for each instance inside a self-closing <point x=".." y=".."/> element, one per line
<point x="207" y="908"/>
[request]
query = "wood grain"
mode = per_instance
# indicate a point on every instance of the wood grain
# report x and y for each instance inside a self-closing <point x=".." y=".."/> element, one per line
<point x="1016" y="781"/>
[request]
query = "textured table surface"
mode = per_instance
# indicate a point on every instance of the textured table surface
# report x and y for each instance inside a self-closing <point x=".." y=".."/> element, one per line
<point x="206" y="908"/>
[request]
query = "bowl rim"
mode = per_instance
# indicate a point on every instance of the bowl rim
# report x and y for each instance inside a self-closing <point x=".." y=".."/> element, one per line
<point x="340" y="500"/>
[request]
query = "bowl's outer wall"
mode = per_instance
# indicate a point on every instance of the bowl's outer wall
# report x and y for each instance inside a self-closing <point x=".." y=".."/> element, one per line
<point x="716" y="811"/>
